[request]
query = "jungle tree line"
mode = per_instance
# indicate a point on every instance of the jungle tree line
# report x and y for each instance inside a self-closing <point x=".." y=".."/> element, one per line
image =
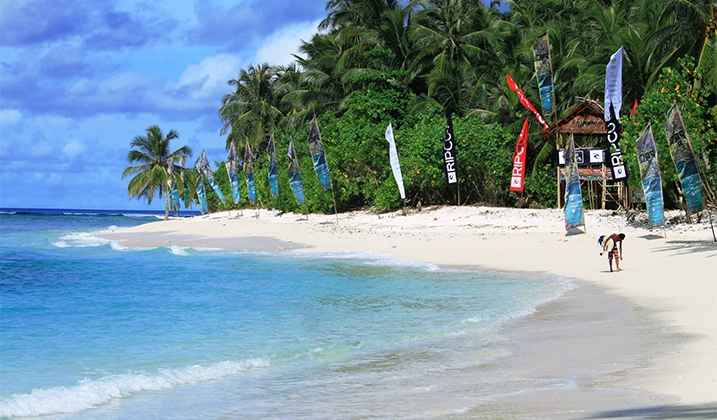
<point x="415" y="63"/>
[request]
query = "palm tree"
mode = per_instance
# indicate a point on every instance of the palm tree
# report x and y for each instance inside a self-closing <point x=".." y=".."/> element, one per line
<point x="151" y="155"/>
<point x="456" y="39"/>
<point x="320" y="88"/>
<point x="253" y="109"/>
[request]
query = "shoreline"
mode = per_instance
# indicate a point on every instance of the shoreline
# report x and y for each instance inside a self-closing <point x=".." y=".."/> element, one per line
<point x="673" y="277"/>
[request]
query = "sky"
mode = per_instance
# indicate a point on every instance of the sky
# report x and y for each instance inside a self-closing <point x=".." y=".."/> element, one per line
<point x="79" y="79"/>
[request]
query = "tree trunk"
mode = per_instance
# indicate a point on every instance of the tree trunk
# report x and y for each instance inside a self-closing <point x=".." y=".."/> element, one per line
<point x="166" y="207"/>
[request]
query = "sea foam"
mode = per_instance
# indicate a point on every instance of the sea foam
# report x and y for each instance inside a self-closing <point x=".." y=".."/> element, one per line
<point x="92" y="393"/>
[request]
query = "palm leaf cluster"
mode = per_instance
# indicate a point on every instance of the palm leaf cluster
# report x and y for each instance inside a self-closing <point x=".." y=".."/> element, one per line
<point x="456" y="53"/>
<point x="416" y="63"/>
<point x="149" y="159"/>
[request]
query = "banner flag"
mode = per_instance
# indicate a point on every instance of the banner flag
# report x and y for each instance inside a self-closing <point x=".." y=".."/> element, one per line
<point x="318" y="155"/>
<point x="449" y="153"/>
<point x="172" y="184"/>
<point x="233" y="173"/>
<point x="650" y="175"/>
<point x="617" y="164"/>
<point x="297" y="186"/>
<point x="523" y="100"/>
<point x="249" y="174"/>
<point x="393" y="158"/>
<point x="684" y="157"/>
<point x="521" y="150"/>
<point x="209" y="174"/>
<point x="201" y="193"/>
<point x="544" y="72"/>
<point x="573" y="194"/>
<point x="613" y="85"/>
<point x="273" y="168"/>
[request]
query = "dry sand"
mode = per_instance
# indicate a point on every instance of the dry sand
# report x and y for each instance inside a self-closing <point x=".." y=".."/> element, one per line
<point x="670" y="274"/>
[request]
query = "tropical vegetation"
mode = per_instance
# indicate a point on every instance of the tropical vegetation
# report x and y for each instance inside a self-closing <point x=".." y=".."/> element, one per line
<point x="150" y="158"/>
<point x="417" y="64"/>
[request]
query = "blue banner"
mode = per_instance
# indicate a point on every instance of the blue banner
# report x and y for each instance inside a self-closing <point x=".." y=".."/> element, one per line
<point x="573" y="194"/>
<point x="297" y="186"/>
<point x="318" y="155"/>
<point x="544" y="72"/>
<point x="684" y="158"/>
<point x="249" y="174"/>
<point x="202" y="195"/>
<point x="207" y="171"/>
<point x="231" y="166"/>
<point x="273" y="168"/>
<point x="650" y="175"/>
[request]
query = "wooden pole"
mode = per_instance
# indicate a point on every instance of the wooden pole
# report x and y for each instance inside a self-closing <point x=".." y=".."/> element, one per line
<point x="336" y="212"/>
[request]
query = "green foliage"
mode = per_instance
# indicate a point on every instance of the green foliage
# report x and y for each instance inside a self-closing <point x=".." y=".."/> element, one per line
<point x="150" y="156"/>
<point x="675" y="85"/>
<point x="412" y="64"/>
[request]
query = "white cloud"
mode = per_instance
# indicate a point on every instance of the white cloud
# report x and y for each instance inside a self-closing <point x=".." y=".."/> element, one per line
<point x="208" y="79"/>
<point x="73" y="148"/>
<point x="279" y="47"/>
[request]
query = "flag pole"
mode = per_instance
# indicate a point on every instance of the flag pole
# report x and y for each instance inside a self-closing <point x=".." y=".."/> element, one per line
<point x="336" y="212"/>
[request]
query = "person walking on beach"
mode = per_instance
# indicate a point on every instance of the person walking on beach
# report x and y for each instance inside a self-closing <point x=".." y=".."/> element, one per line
<point x="615" y="239"/>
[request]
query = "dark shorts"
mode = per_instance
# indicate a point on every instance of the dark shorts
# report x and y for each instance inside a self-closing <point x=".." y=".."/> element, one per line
<point x="611" y="253"/>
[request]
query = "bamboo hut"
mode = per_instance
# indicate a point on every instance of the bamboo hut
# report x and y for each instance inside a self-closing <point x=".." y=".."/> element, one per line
<point x="587" y="125"/>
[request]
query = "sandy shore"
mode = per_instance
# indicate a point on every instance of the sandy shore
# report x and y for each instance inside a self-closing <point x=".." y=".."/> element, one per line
<point x="671" y="272"/>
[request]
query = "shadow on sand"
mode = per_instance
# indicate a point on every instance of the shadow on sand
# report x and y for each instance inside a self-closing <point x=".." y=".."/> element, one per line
<point x="702" y="411"/>
<point x="683" y="247"/>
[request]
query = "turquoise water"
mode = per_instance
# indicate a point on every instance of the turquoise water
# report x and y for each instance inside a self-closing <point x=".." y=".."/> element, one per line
<point x="90" y="329"/>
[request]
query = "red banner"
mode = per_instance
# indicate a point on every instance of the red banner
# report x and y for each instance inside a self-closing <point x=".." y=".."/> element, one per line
<point x="521" y="149"/>
<point x="523" y="100"/>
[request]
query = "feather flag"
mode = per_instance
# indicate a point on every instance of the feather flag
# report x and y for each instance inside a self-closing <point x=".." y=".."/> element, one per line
<point x="650" y="175"/>
<point x="544" y="72"/>
<point x="684" y="158"/>
<point x="573" y="194"/>
<point x="523" y="100"/>
<point x="449" y="153"/>
<point x="209" y="174"/>
<point x="273" y="168"/>
<point x="249" y="174"/>
<point x="393" y="158"/>
<point x="616" y="162"/>
<point x="233" y="173"/>
<point x="318" y="155"/>
<point x="521" y="150"/>
<point x="297" y="186"/>
<point x="613" y="85"/>
<point x="201" y="193"/>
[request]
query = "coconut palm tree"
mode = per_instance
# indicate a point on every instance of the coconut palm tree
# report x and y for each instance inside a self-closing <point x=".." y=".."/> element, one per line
<point x="253" y="109"/>
<point x="455" y="40"/>
<point x="151" y="156"/>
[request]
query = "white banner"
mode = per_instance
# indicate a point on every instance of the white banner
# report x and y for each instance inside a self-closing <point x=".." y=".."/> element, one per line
<point x="393" y="157"/>
<point x="613" y="85"/>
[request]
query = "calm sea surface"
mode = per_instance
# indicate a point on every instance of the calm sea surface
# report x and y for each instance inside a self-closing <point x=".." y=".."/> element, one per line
<point x="93" y="330"/>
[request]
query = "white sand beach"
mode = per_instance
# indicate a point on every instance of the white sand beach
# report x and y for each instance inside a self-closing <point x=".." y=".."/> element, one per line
<point x="671" y="272"/>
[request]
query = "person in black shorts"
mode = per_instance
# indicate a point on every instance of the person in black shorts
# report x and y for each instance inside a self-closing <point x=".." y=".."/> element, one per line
<point x="612" y="243"/>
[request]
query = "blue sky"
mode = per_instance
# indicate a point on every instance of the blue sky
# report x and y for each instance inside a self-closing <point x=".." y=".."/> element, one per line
<point x="80" y="78"/>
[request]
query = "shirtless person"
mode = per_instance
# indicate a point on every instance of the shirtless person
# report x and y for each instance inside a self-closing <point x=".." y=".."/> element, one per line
<point x="616" y="239"/>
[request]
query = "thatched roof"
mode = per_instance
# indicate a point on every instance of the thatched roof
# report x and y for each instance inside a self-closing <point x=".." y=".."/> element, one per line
<point x="586" y="119"/>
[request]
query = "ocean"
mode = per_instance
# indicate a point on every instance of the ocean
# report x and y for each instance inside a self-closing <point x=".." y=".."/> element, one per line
<point x="90" y="329"/>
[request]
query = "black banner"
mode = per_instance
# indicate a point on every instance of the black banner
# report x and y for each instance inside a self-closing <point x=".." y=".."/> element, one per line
<point x="614" y="158"/>
<point x="449" y="154"/>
